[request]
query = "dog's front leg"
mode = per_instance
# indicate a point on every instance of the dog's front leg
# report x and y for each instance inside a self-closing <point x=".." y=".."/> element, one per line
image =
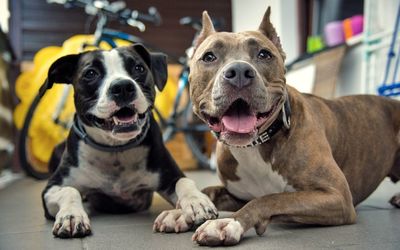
<point x="192" y="208"/>
<point x="222" y="199"/>
<point x="194" y="203"/>
<point x="65" y="205"/>
<point x="308" y="207"/>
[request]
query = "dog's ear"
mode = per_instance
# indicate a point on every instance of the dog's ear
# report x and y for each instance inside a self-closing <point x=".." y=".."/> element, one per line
<point x="269" y="31"/>
<point x="61" y="71"/>
<point x="159" y="69"/>
<point x="143" y="53"/>
<point x="207" y="29"/>
<point x="157" y="62"/>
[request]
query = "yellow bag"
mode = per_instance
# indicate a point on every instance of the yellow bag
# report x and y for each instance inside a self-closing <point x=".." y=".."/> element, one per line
<point x="44" y="135"/>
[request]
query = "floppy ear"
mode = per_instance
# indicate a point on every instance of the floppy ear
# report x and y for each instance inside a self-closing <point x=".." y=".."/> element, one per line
<point x="61" y="71"/>
<point x="143" y="52"/>
<point x="207" y="29"/>
<point x="269" y="31"/>
<point x="157" y="62"/>
<point x="159" y="69"/>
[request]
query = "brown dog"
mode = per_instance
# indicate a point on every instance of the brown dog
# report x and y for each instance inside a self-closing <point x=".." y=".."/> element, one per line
<point x="283" y="155"/>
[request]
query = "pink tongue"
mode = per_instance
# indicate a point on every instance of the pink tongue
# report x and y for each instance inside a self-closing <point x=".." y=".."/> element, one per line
<point x="239" y="123"/>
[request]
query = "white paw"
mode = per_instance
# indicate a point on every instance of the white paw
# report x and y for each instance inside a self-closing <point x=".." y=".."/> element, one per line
<point x="198" y="207"/>
<point x="226" y="231"/>
<point x="71" y="222"/>
<point x="172" y="221"/>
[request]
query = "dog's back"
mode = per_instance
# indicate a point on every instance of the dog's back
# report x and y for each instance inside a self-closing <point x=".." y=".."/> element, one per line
<point x="348" y="122"/>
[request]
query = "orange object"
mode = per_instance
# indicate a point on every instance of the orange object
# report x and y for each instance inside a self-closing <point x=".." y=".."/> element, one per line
<point x="347" y="29"/>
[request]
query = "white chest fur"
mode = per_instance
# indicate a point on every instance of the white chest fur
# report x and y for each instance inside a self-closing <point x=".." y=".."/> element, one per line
<point x="256" y="176"/>
<point x="116" y="174"/>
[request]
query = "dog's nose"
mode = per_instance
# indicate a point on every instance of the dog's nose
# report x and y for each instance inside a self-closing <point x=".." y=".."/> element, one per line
<point x="239" y="74"/>
<point x="123" y="91"/>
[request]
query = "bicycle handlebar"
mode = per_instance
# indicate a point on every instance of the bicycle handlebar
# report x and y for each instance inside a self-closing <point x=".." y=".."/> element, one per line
<point x="196" y="24"/>
<point x="153" y="16"/>
<point x="115" y="10"/>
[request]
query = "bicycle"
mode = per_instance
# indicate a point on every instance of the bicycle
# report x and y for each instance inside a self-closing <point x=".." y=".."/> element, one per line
<point x="62" y="116"/>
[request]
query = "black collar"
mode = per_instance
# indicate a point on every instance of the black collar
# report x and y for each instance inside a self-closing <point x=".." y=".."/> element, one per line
<point x="81" y="133"/>
<point x="282" y="121"/>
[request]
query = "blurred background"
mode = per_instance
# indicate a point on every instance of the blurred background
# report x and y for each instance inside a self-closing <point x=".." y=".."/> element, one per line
<point x="333" y="48"/>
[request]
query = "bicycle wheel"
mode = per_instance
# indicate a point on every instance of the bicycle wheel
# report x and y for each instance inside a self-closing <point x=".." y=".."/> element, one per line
<point x="37" y="169"/>
<point x="34" y="166"/>
<point x="198" y="137"/>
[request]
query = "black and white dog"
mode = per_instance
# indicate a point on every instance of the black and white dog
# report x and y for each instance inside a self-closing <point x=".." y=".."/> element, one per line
<point x="114" y="156"/>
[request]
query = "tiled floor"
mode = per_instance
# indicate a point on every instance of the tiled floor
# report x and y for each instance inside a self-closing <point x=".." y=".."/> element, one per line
<point x="22" y="226"/>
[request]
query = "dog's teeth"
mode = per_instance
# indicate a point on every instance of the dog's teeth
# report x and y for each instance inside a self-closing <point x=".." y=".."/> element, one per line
<point x="131" y="121"/>
<point x="115" y="119"/>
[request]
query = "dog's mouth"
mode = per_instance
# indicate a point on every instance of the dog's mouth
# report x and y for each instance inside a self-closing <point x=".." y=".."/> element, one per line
<point x="126" y="119"/>
<point x="239" y="119"/>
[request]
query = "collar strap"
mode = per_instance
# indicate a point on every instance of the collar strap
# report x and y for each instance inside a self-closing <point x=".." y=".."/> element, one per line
<point x="277" y="125"/>
<point x="81" y="133"/>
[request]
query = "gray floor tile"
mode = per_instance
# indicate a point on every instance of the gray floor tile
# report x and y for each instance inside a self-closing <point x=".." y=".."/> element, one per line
<point x="22" y="225"/>
<point x="36" y="240"/>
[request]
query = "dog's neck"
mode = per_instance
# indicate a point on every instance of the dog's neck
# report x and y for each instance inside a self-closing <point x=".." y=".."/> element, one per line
<point x="103" y="137"/>
<point x="100" y="140"/>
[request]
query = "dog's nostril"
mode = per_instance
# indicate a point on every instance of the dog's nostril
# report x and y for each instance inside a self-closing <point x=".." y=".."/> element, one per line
<point x="249" y="74"/>
<point x="130" y="88"/>
<point x="230" y="73"/>
<point x="123" y="90"/>
<point x="116" y="89"/>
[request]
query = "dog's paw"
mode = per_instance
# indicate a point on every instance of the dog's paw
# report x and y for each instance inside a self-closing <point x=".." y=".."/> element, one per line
<point x="395" y="200"/>
<point x="198" y="207"/>
<point x="226" y="231"/>
<point x="172" y="221"/>
<point x="73" y="222"/>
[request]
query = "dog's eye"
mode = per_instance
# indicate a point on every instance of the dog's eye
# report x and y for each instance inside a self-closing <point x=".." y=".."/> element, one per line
<point x="139" y="68"/>
<point x="264" y="54"/>
<point x="209" y="57"/>
<point x="90" y="75"/>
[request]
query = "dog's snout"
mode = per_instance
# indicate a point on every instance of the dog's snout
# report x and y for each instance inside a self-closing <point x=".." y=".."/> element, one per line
<point x="239" y="74"/>
<point x="122" y="91"/>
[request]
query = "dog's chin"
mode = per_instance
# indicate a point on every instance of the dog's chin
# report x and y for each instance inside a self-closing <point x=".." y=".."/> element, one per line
<point x="239" y="125"/>
<point x="125" y="136"/>
<point x="237" y="139"/>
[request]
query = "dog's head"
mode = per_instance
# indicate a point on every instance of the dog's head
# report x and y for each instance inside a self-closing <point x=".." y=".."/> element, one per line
<point x="113" y="90"/>
<point x="237" y="80"/>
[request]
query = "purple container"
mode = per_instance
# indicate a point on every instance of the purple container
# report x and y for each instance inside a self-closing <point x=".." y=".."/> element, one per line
<point x="357" y="24"/>
<point x="334" y="33"/>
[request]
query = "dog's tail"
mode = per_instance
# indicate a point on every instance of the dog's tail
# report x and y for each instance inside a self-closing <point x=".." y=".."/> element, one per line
<point x="6" y="121"/>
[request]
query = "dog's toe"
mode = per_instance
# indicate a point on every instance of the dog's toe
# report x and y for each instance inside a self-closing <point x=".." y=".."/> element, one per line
<point x="225" y="231"/>
<point x="81" y="230"/>
<point x="172" y="221"/>
<point x="199" y="208"/>
<point x="71" y="224"/>
<point x="395" y="201"/>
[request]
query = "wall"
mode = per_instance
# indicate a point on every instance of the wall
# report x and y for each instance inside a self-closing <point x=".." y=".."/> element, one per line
<point x="247" y="15"/>
<point x="4" y="14"/>
<point x="36" y="24"/>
